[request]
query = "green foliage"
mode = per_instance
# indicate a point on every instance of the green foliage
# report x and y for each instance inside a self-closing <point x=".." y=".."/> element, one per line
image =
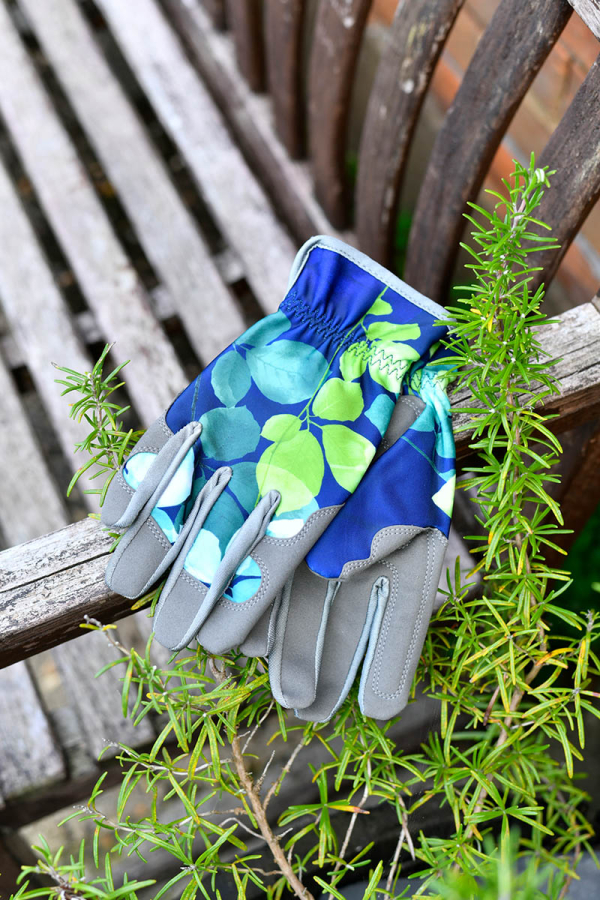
<point x="514" y="689"/>
<point x="106" y="443"/>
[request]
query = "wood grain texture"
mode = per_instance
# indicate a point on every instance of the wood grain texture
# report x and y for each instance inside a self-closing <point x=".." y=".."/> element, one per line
<point x="574" y="152"/>
<point x="47" y="585"/>
<point x="581" y="491"/>
<point x="589" y="11"/>
<point x="216" y="11"/>
<point x="288" y="183"/>
<point x="164" y="226"/>
<point x="413" y="44"/>
<point x="230" y="189"/>
<point x="31" y="504"/>
<point x="244" y="18"/>
<point x="334" y="52"/>
<point x="98" y="700"/>
<point x="30" y="753"/>
<point x="490" y="92"/>
<point x="106" y="276"/>
<point x="283" y="28"/>
<point x="38" y="318"/>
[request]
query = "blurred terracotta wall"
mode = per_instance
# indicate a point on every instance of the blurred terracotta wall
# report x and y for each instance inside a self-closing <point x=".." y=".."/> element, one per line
<point x="538" y="115"/>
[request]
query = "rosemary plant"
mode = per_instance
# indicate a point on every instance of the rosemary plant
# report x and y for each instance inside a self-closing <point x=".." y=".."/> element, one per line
<point x="514" y="691"/>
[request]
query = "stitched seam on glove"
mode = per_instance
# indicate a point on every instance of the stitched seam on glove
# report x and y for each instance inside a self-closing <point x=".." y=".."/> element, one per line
<point x="376" y="356"/>
<point x="224" y="603"/>
<point x="432" y="534"/>
<point x="385" y="631"/>
<point x="380" y="276"/>
<point x="302" y="311"/>
<point x="397" y="529"/>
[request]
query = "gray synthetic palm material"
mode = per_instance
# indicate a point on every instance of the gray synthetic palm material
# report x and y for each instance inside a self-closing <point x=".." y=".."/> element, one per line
<point x="377" y="616"/>
<point x="260" y="640"/>
<point x="178" y="620"/>
<point x="230" y="624"/>
<point x="120" y="495"/>
<point x="144" y="553"/>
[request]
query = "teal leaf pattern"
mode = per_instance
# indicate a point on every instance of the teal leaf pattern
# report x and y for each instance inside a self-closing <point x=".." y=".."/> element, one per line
<point x="380" y="412"/>
<point x="230" y="378"/>
<point x="229" y="433"/>
<point x="288" y="371"/>
<point x="243" y="484"/>
<point x="265" y="330"/>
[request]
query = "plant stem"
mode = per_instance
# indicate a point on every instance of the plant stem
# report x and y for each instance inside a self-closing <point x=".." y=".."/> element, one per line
<point x="258" y="808"/>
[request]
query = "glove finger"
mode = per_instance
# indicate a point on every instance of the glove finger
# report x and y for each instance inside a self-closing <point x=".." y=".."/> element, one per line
<point x="399" y="628"/>
<point x="120" y="492"/>
<point x="201" y="574"/>
<point x="379" y="618"/>
<point x="300" y="627"/>
<point x="145" y="551"/>
<point x="254" y="584"/>
<point x="352" y="608"/>
<point x="174" y="462"/>
<point x="149" y="497"/>
<point x="259" y="640"/>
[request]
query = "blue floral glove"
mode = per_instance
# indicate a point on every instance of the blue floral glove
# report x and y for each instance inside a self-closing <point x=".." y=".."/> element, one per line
<point x="365" y="593"/>
<point x="250" y="464"/>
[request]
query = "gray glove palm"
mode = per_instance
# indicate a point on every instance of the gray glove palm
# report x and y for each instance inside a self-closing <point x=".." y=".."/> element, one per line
<point x="365" y="593"/>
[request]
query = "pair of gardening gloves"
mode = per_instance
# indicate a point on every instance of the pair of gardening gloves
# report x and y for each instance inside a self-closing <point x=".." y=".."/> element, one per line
<point x="300" y="490"/>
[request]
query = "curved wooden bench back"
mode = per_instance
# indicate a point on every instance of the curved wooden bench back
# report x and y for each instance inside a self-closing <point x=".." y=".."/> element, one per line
<point x="509" y="55"/>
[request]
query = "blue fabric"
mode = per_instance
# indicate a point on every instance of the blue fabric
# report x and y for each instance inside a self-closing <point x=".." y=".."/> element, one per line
<point x="412" y="483"/>
<point x="298" y="404"/>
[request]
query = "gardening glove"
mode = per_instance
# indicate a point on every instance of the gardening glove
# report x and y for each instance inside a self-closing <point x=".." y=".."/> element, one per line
<point x="366" y="590"/>
<point x="240" y="477"/>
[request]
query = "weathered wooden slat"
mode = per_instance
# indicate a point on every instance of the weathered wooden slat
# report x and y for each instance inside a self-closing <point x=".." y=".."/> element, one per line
<point x="181" y="101"/>
<point x="245" y="20"/>
<point x="216" y="11"/>
<point x="56" y="585"/>
<point x="415" y="40"/>
<point x="30" y="504"/>
<point x="164" y="226"/>
<point x="283" y="29"/>
<point x="334" y="52"/>
<point x="38" y="317"/>
<point x="575" y="341"/>
<point x="507" y="58"/>
<point x="589" y="10"/>
<point x="581" y="491"/>
<point x="47" y="585"/>
<point x="98" y="700"/>
<point x="85" y="323"/>
<point x="288" y="183"/>
<point x="30" y="754"/>
<point x="111" y="285"/>
<point x="574" y="152"/>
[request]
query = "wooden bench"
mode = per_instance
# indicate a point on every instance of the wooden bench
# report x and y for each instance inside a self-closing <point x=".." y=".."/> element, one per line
<point x="101" y="239"/>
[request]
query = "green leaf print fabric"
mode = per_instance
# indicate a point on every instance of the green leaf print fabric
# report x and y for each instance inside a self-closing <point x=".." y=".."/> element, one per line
<point x="266" y="445"/>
